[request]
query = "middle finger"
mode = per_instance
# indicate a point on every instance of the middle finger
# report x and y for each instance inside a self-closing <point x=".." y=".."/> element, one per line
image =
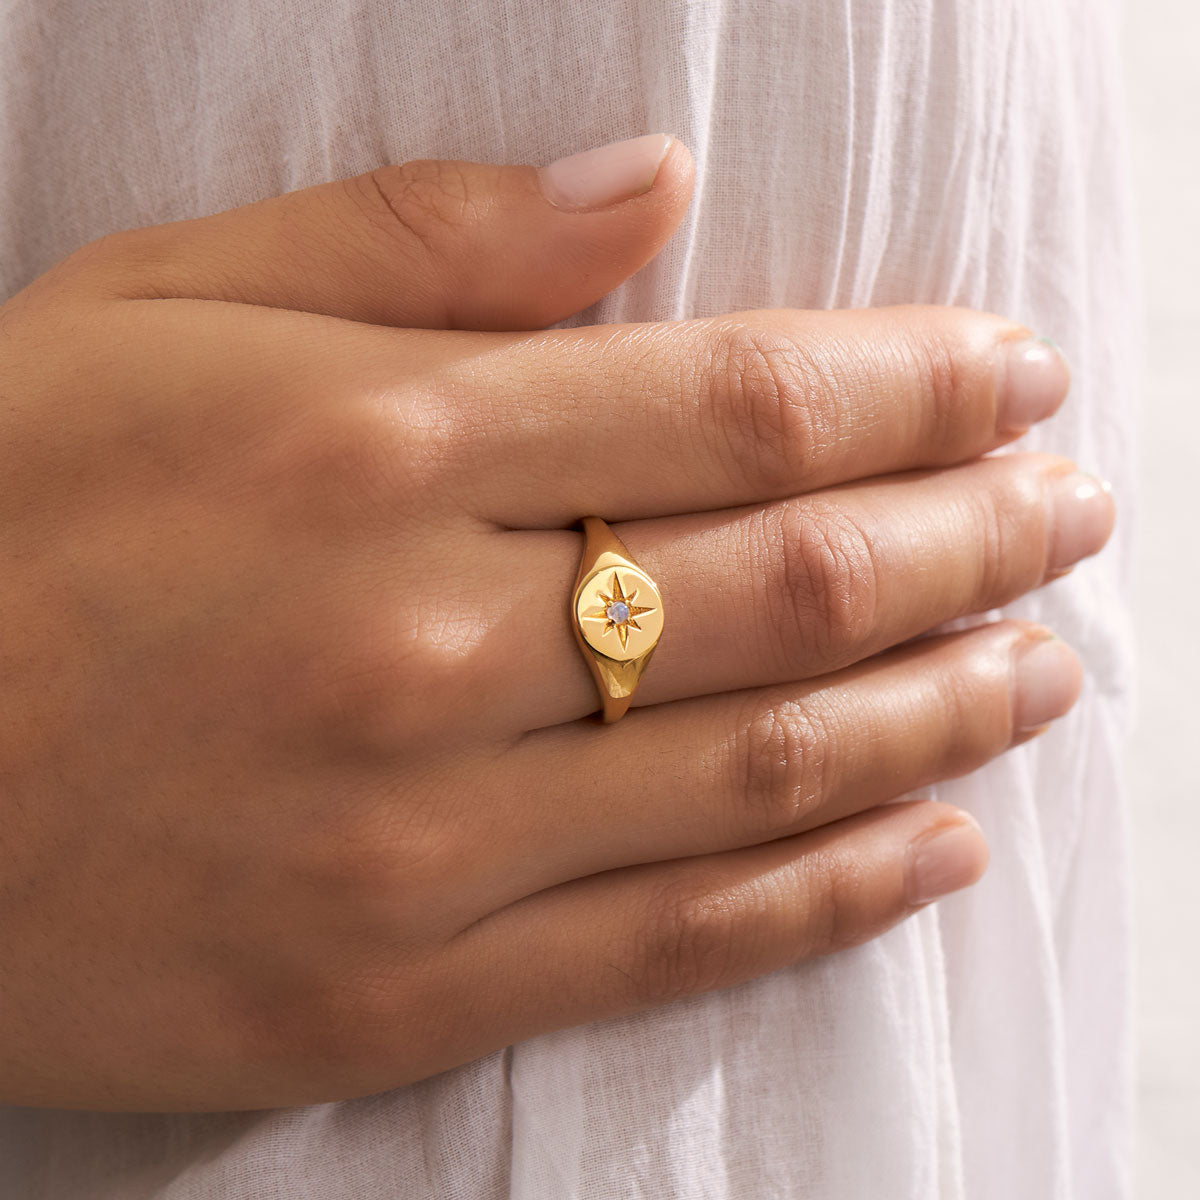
<point x="648" y="420"/>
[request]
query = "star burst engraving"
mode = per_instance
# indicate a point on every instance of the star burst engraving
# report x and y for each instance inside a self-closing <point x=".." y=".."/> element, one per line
<point x="618" y="611"/>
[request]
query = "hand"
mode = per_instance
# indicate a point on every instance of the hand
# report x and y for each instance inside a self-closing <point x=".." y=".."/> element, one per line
<point x="297" y="799"/>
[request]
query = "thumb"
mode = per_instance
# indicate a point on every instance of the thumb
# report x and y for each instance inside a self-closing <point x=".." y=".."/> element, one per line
<point x="430" y="243"/>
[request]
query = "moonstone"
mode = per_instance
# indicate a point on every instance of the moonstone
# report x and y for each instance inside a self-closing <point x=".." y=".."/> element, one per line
<point x="617" y="612"/>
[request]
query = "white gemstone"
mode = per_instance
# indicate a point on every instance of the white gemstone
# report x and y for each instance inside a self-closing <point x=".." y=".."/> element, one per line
<point x="617" y="612"/>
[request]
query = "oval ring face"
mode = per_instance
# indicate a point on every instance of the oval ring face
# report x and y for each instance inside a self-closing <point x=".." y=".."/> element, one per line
<point x="619" y="612"/>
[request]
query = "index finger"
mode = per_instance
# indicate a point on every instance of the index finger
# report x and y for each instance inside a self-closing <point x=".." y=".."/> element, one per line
<point x="633" y="421"/>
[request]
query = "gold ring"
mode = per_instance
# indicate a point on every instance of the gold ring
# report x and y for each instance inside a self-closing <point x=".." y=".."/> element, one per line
<point x="617" y="617"/>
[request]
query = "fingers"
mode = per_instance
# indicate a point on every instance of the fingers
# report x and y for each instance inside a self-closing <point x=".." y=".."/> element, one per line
<point x="642" y="936"/>
<point x="640" y="420"/>
<point x="704" y="776"/>
<point x="429" y="243"/>
<point x="758" y="596"/>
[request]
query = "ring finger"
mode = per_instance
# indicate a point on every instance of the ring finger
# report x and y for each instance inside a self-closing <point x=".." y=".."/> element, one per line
<point x="800" y="587"/>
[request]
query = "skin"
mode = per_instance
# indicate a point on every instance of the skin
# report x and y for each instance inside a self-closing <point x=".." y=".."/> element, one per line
<point x="300" y="793"/>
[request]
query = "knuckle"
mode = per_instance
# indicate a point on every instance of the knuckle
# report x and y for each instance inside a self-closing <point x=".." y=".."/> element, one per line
<point x="103" y="250"/>
<point x="356" y="466"/>
<point x="766" y="394"/>
<point x="784" y="751"/>
<point x="374" y="853"/>
<point x="838" y="911"/>
<point x="118" y="263"/>
<point x="378" y="865"/>
<point x="973" y="716"/>
<point x="345" y="1018"/>
<point x="935" y="361"/>
<point x="1007" y="517"/>
<point x="992" y="539"/>
<point x="351" y="977"/>
<point x="822" y="595"/>
<point x="689" y="943"/>
<point x="425" y="201"/>
<point x="393" y="680"/>
<point x="387" y="452"/>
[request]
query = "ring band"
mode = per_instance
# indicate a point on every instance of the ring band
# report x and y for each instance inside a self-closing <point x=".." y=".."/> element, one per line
<point x="616" y="615"/>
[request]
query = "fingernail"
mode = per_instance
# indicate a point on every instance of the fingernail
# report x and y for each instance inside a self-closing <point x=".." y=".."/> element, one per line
<point x="1032" y="381"/>
<point x="1046" y="678"/>
<point x="945" y="859"/>
<point x="606" y="175"/>
<point x="1082" y="516"/>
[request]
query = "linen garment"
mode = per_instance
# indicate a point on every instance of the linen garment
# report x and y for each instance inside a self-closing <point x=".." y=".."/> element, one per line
<point x="848" y="153"/>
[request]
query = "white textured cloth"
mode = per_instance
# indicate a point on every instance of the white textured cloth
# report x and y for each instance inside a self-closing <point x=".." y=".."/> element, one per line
<point x="849" y="152"/>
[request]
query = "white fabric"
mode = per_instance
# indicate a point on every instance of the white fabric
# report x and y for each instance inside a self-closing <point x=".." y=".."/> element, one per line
<point x="849" y="152"/>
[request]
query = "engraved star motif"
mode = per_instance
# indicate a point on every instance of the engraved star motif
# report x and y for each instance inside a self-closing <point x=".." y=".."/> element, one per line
<point x="618" y="611"/>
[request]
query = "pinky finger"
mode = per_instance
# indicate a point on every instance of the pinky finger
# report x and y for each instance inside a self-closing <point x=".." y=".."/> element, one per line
<point x="641" y="936"/>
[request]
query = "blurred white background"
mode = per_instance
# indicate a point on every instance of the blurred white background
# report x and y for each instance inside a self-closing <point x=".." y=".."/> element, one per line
<point x="1163" y="54"/>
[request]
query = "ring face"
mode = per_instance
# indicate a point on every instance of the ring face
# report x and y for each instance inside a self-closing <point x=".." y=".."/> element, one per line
<point x="619" y="612"/>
